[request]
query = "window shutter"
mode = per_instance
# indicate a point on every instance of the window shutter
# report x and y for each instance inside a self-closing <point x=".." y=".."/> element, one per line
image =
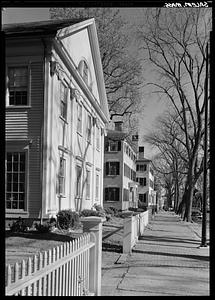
<point x="106" y="194"/>
<point x="107" y="168"/>
<point x="106" y="144"/>
<point x="119" y="145"/>
<point x="117" y="194"/>
<point x="117" y="168"/>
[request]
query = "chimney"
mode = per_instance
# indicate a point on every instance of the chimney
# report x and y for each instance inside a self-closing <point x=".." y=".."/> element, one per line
<point x="141" y="152"/>
<point x="118" y="125"/>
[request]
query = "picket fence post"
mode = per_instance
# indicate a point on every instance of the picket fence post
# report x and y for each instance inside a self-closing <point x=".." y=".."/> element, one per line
<point x="93" y="225"/>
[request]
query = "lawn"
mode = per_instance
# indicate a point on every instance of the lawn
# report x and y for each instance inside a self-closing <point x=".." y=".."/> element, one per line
<point x="20" y="246"/>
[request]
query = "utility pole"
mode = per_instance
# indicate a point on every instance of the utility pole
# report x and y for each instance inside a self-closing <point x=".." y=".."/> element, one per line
<point x="204" y="200"/>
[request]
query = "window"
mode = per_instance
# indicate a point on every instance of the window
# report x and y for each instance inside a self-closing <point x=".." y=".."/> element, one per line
<point x="78" y="181"/>
<point x="112" y="168"/>
<point x="125" y="195"/>
<point x="112" y="146"/>
<point x="97" y="138"/>
<point x="143" y="197"/>
<point x="97" y="186"/>
<point x="63" y="100"/>
<point x="89" y="128"/>
<point x="15" y="180"/>
<point x="126" y="171"/>
<point x="151" y="183"/>
<point x="142" y="181"/>
<point x="18" y="85"/>
<point x="141" y="168"/>
<point x="79" y="120"/>
<point x="62" y="172"/>
<point x="85" y="72"/>
<point x="112" y="194"/>
<point x="88" y="184"/>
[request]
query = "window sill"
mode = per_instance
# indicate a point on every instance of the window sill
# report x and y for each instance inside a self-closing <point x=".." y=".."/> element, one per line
<point x="18" y="106"/>
<point x="11" y="213"/>
<point x="112" y="151"/>
<point x="112" y="201"/>
<point x="110" y="175"/>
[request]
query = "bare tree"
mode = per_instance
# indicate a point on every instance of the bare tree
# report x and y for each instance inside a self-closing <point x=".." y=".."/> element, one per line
<point x="175" y="41"/>
<point x="122" y="70"/>
<point x="170" y="163"/>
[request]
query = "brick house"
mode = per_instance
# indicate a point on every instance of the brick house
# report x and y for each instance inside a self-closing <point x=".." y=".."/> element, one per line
<point x="56" y="112"/>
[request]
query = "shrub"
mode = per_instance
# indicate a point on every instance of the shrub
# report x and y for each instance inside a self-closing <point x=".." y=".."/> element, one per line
<point x="124" y="214"/>
<point x="43" y="228"/>
<point x="19" y="226"/>
<point x="100" y="210"/>
<point x="67" y="219"/>
<point x="90" y="212"/>
<point x="109" y="211"/>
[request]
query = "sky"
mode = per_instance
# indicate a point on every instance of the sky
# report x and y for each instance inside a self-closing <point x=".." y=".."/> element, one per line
<point x="152" y="107"/>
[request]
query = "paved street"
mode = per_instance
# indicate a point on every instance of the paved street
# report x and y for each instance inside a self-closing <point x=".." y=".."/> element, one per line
<point x="166" y="261"/>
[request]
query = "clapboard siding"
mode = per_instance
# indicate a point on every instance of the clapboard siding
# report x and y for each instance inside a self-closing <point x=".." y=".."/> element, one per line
<point x="25" y="124"/>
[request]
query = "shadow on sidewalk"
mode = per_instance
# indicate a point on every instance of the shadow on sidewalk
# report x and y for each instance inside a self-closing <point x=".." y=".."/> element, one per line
<point x="166" y="239"/>
<point x="111" y="247"/>
<point x="197" y="257"/>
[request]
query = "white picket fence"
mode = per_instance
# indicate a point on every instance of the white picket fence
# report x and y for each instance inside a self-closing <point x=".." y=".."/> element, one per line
<point x="133" y="228"/>
<point x="62" y="271"/>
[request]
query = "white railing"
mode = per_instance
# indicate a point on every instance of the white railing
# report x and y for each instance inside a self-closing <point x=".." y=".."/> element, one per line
<point x="72" y="269"/>
<point x="133" y="228"/>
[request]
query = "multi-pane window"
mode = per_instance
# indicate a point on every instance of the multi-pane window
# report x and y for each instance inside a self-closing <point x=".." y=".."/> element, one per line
<point x="89" y="128"/>
<point x="126" y="171"/>
<point x="112" y="146"/>
<point x="88" y="184"/>
<point x="18" y="85"/>
<point x="78" y="181"/>
<point x="143" y="197"/>
<point x="97" y="186"/>
<point x="141" y="168"/>
<point x="79" y="117"/>
<point x="112" y="194"/>
<point x="63" y="100"/>
<point x="112" y="168"/>
<point x="142" y="181"/>
<point x="62" y="177"/>
<point x="15" y="180"/>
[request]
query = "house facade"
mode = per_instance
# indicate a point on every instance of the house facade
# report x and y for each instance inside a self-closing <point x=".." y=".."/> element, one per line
<point x="145" y="178"/>
<point x="56" y="112"/>
<point x="120" y="187"/>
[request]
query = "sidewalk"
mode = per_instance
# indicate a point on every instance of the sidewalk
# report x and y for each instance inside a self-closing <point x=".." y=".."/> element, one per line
<point x="166" y="261"/>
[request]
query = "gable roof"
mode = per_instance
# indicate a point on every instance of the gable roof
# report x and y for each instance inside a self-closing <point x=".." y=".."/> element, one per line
<point x="55" y="29"/>
<point x="46" y="27"/>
